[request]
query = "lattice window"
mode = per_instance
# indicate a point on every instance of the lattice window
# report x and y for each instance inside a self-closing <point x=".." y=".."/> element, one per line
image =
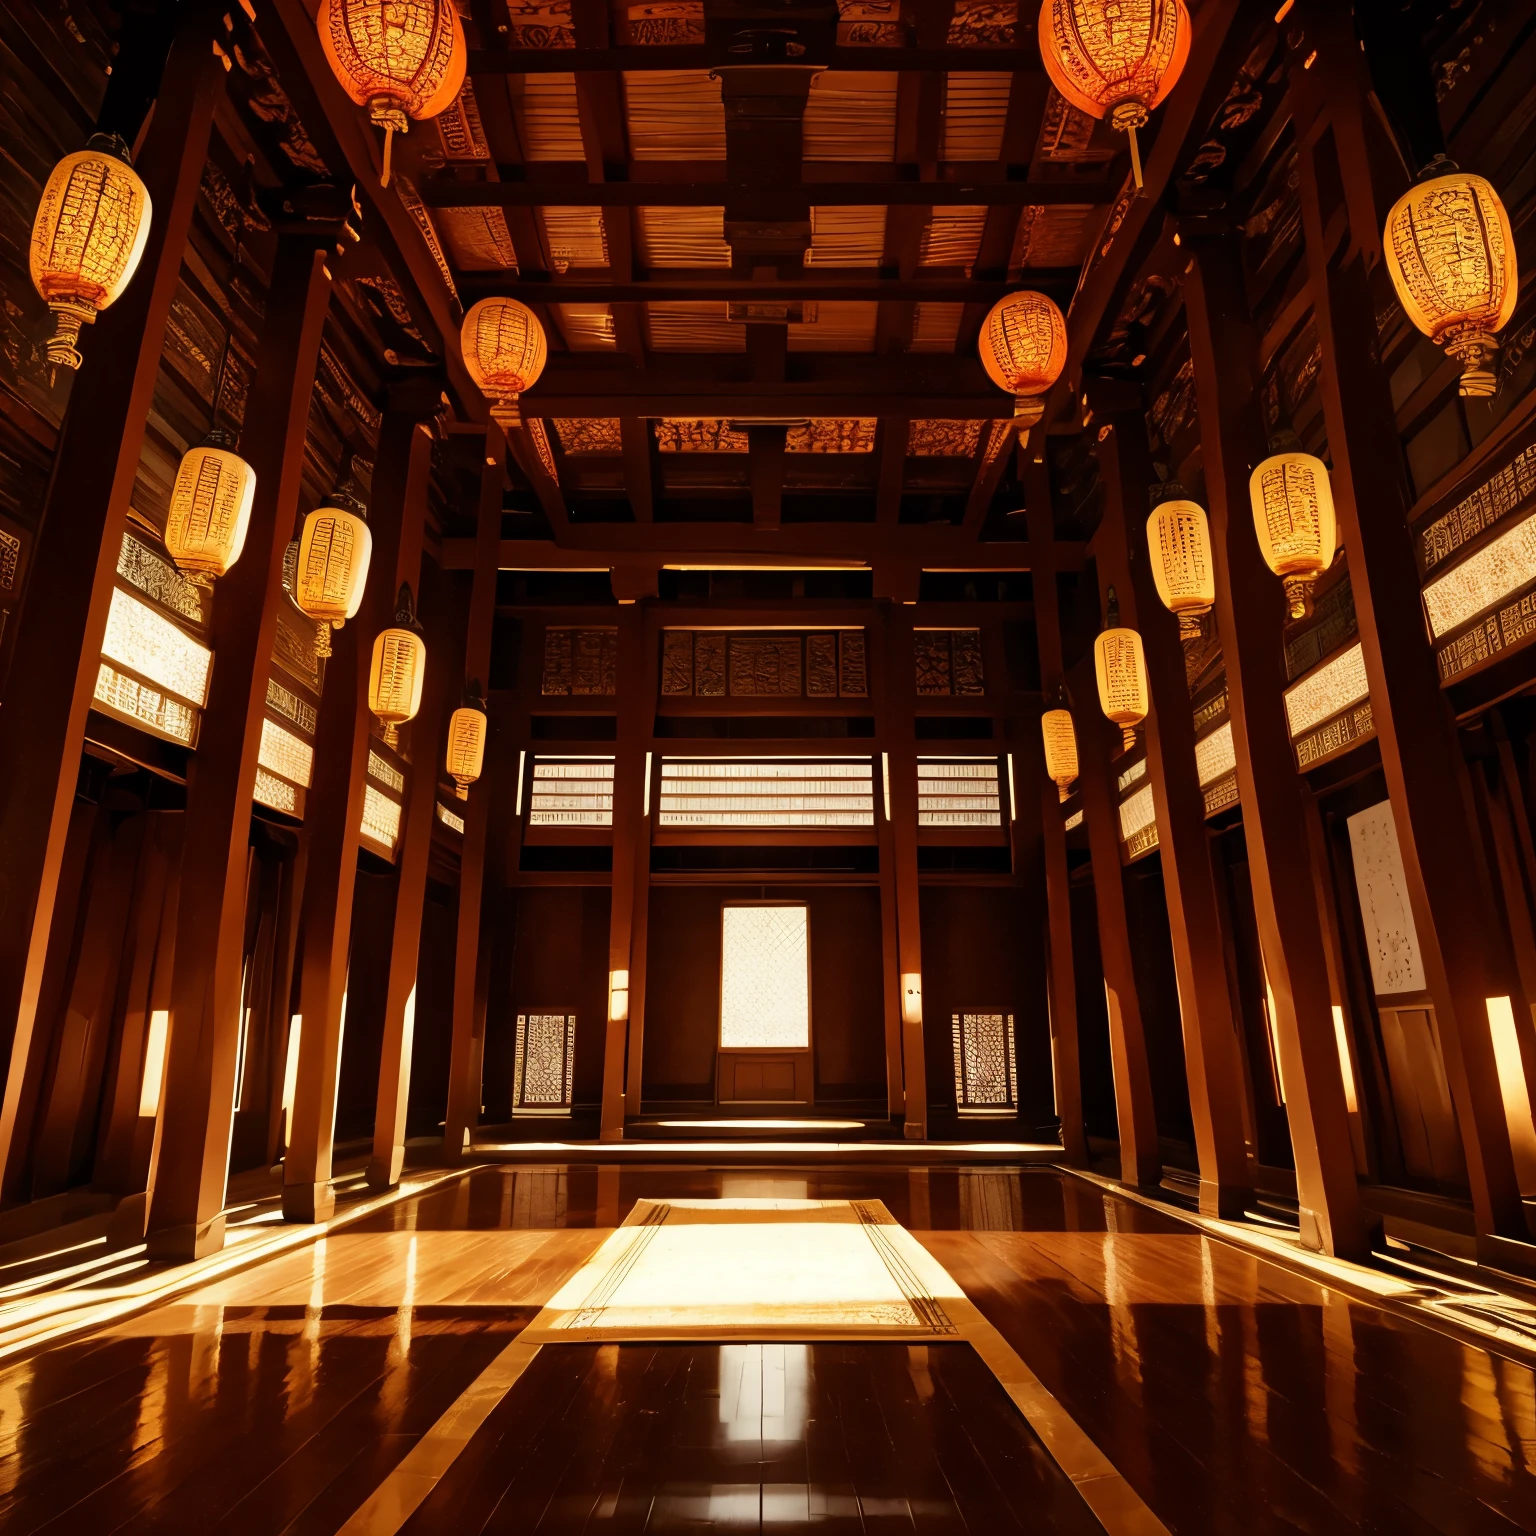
<point x="765" y="990"/>
<point x="767" y="792"/>
<point x="546" y="1053"/>
<point x="571" y="792"/>
<point x="959" y="792"/>
<point x="986" y="1073"/>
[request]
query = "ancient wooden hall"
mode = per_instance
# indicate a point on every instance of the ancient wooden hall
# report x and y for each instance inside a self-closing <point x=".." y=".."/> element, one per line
<point x="581" y="574"/>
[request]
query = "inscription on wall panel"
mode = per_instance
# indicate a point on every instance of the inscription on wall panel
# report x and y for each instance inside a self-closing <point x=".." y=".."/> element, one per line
<point x="581" y="663"/>
<point x="1392" y="941"/>
<point x="948" y="662"/>
<point x="709" y="664"/>
<point x="1498" y="496"/>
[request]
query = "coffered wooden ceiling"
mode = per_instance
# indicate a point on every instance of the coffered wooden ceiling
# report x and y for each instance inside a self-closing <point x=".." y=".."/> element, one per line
<point x="762" y="236"/>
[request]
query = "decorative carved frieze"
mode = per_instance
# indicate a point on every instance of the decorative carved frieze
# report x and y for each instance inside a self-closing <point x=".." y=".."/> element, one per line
<point x="589" y="434"/>
<point x="580" y="663"/>
<point x="711" y="664"/>
<point x="944" y="439"/>
<point x="948" y="663"/>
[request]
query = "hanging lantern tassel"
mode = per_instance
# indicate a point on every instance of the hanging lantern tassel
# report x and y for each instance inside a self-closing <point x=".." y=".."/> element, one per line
<point x="388" y="116"/>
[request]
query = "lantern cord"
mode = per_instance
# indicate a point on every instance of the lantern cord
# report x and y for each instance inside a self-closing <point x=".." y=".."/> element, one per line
<point x="1130" y="133"/>
<point x="389" y="138"/>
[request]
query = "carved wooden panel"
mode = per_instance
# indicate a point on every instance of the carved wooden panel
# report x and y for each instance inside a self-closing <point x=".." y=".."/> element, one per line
<point x="765" y="666"/>
<point x="948" y="662"/>
<point x="930" y="650"/>
<point x="676" y="663"/>
<point x="821" y="666"/>
<point x="853" y="673"/>
<point x="709" y="665"/>
<point x="580" y="662"/>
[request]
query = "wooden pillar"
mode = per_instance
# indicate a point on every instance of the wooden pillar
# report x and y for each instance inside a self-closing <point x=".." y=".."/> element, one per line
<point x="640" y="924"/>
<point x="631" y="827"/>
<point x="1097" y="743"/>
<point x="1250" y="617"/>
<point x="463" y="1109"/>
<point x="1421" y="754"/>
<point x="1062" y="973"/>
<point x="187" y="1195"/>
<point x="901" y="775"/>
<point x="1212" y="1065"/>
<point x="74" y="561"/>
<point x="428" y="736"/>
<point x="334" y="812"/>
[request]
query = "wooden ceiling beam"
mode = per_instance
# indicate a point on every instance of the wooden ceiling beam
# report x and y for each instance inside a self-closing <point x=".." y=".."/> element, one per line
<point x="599" y="546"/>
<point x="698" y="191"/>
<point x="654" y="58"/>
<point x="714" y="283"/>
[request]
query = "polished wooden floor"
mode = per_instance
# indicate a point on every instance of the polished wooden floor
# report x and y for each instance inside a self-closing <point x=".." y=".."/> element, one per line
<point x="1233" y="1395"/>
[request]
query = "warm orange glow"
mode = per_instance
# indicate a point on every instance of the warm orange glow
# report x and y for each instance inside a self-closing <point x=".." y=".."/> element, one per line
<point x="1115" y="58"/>
<point x="399" y="58"/>
<point x="87" y="237"/>
<point x="1179" y="540"/>
<point x="466" y="744"/>
<point x="1060" y="749"/>
<point x="505" y="351"/>
<point x="334" y="551"/>
<point x="1294" y="520"/>
<point x="398" y="671"/>
<point x="210" y="509"/>
<point x="1023" y="346"/>
<point x="1450" y="252"/>
<point x="1121" y="670"/>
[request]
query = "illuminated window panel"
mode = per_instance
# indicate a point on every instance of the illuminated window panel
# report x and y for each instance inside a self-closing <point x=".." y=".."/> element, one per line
<point x="767" y="793"/>
<point x="1327" y="692"/>
<point x="385" y="772"/>
<point x="145" y="707"/>
<point x="765" y="979"/>
<point x="986" y="1070"/>
<point x="1483" y="580"/>
<point x="544" y="1056"/>
<point x="958" y="792"/>
<point x="449" y="819"/>
<point x="273" y="791"/>
<point x="1136" y="814"/>
<point x="1135" y="771"/>
<point x="144" y="642"/>
<point x="575" y="792"/>
<point x="1215" y="755"/>
<point x="285" y="754"/>
<point x="381" y="818"/>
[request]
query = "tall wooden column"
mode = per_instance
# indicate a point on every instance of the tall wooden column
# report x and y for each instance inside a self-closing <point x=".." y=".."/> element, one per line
<point x="1250" y="615"/>
<point x="1097" y="743"/>
<point x="901" y="773"/>
<point x="334" y="812"/>
<point x="1212" y="1066"/>
<point x="640" y="925"/>
<point x="428" y="736"/>
<point x="630" y="828"/>
<point x="1062" y="976"/>
<point x="187" y="1199"/>
<point x="58" y="647"/>
<point x="1421" y="755"/>
<point x="463" y="1108"/>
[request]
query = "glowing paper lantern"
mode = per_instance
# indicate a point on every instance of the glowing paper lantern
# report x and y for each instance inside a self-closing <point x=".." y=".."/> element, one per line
<point x="210" y="508"/>
<point x="505" y="351"/>
<point x="1294" y="519"/>
<point x="1121" y="670"/>
<point x="1060" y="748"/>
<point x="1179" y="539"/>
<point x="1023" y="346"/>
<point x="399" y="669"/>
<point x="399" y="58"/>
<point x="1115" y="58"/>
<point x="466" y="742"/>
<point x="332" y="567"/>
<point x="1451" y="253"/>
<point x="87" y="238"/>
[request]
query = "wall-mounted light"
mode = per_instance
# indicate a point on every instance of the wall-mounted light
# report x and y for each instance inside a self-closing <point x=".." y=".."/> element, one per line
<point x="911" y="997"/>
<point x="618" y="996"/>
